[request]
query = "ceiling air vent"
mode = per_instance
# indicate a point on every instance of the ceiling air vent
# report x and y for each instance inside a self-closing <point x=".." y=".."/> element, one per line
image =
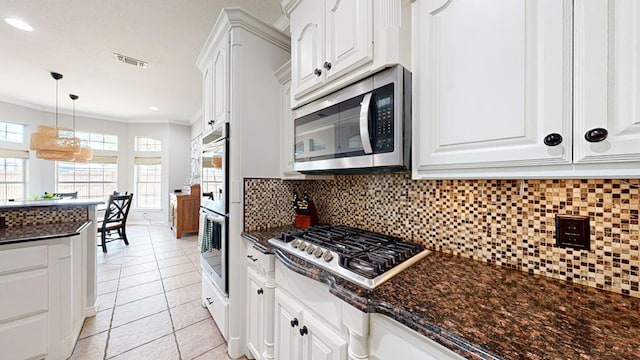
<point x="131" y="61"/>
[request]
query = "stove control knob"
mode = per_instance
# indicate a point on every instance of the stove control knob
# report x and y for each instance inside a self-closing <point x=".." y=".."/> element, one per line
<point x="295" y="242"/>
<point x="328" y="256"/>
<point x="310" y="249"/>
<point x="302" y="246"/>
<point x="318" y="252"/>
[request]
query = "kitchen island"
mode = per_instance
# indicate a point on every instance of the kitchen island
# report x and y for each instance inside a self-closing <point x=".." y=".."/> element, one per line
<point x="47" y="276"/>
<point x="483" y="311"/>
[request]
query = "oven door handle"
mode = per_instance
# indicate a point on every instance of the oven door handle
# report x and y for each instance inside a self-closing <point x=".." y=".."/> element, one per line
<point x="364" y="123"/>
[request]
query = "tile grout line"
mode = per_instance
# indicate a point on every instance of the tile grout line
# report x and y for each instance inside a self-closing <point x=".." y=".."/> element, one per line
<point x="113" y="311"/>
<point x="164" y="291"/>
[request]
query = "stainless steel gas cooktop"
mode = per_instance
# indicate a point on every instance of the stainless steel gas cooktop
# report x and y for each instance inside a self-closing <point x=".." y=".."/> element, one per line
<point x="363" y="257"/>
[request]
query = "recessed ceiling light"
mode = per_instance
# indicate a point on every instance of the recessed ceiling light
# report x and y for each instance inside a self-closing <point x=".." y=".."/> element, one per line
<point x="18" y="24"/>
<point x="153" y="108"/>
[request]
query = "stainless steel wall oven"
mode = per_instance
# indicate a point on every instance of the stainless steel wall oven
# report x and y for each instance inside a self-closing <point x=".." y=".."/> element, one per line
<point x="213" y="237"/>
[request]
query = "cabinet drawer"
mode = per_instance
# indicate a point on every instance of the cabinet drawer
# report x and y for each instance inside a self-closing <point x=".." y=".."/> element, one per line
<point x="392" y="340"/>
<point x="261" y="262"/>
<point x="217" y="305"/>
<point x="24" y="338"/>
<point x="24" y="293"/>
<point x="15" y="260"/>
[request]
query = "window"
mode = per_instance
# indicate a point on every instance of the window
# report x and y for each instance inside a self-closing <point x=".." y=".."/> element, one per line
<point x="93" y="180"/>
<point x="143" y="143"/>
<point x="147" y="177"/>
<point x="99" y="141"/>
<point x="11" y="132"/>
<point x="12" y="174"/>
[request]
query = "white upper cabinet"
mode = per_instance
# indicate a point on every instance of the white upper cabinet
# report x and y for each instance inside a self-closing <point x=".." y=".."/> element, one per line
<point x="337" y="42"/>
<point x="220" y="79"/>
<point x="307" y="46"/>
<point x="502" y="87"/>
<point x="207" y="99"/>
<point x="215" y="85"/>
<point x="607" y="74"/>
<point x="348" y="35"/>
<point x="492" y="80"/>
<point x="328" y="39"/>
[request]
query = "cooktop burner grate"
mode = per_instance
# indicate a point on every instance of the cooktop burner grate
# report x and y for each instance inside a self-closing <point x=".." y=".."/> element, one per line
<point x="364" y="255"/>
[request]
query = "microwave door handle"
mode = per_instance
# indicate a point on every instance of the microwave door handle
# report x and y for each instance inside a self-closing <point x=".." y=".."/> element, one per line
<point x="364" y="123"/>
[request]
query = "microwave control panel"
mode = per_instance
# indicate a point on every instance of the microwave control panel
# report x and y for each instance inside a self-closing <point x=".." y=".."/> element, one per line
<point x="383" y="119"/>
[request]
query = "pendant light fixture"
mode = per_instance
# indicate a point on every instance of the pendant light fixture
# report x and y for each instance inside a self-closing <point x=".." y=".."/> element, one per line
<point x="55" y="143"/>
<point x="85" y="153"/>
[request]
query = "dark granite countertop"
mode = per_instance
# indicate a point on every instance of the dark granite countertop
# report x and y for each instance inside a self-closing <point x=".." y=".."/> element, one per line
<point x="50" y="203"/>
<point x="485" y="311"/>
<point x="19" y="234"/>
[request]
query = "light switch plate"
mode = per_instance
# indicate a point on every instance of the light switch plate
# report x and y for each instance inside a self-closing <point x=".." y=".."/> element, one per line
<point x="573" y="231"/>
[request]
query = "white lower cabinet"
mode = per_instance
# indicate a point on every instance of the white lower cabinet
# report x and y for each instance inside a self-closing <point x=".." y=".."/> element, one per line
<point x="300" y="335"/>
<point x="391" y="340"/>
<point x="260" y="303"/>
<point x="256" y="314"/>
<point x="41" y="307"/>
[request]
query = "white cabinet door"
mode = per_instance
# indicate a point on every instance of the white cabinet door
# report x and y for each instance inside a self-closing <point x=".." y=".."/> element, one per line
<point x="319" y="342"/>
<point x="220" y="82"/>
<point x="288" y="323"/>
<point x="492" y="78"/>
<point x="349" y="36"/>
<point x="256" y="314"/>
<point x="607" y="86"/>
<point x="307" y="47"/>
<point x="207" y="97"/>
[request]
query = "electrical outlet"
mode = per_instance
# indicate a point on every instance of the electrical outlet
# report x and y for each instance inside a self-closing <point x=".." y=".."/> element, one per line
<point x="573" y="231"/>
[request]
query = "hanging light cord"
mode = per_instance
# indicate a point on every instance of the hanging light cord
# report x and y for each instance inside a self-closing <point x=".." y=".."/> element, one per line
<point x="56" y="104"/>
<point x="74" y="115"/>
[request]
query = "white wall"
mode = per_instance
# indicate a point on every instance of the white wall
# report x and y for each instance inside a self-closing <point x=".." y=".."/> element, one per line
<point x="175" y="152"/>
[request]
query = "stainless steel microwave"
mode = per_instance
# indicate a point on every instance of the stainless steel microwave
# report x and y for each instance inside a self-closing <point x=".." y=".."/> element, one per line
<point x="365" y="127"/>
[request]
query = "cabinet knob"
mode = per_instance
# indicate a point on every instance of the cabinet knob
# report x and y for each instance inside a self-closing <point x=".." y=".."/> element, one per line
<point x="209" y="301"/>
<point x="317" y="72"/>
<point x="210" y="122"/>
<point x="260" y="291"/>
<point x="596" y="135"/>
<point x="252" y="258"/>
<point x="294" y="322"/>
<point x="304" y="331"/>
<point x="327" y="65"/>
<point x="553" y="139"/>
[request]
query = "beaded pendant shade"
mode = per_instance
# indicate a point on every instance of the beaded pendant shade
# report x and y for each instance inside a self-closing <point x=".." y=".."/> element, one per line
<point x="85" y="153"/>
<point x="55" y="143"/>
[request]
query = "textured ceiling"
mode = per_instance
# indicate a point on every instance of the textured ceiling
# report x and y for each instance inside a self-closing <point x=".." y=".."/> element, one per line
<point x="77" y="38"/>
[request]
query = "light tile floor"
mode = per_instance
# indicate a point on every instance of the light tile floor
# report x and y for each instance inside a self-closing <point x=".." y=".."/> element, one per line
<point x="149" y="303"/>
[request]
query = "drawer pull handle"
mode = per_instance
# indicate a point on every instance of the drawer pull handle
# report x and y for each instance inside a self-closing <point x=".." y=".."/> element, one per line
<point x="294" y="322"/>
<point x="209" y="301"/>
<point x="260" y="291"/>
<point x="553" y="139"/>
<point x="252" y="258"/>
<point x="304" y="331"/>
<point x="596" y="135"/>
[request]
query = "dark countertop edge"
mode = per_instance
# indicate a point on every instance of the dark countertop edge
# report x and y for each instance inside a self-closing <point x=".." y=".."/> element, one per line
<point x="47" y="237"/>
<point x="48" y="203"/>
<point x="451" y="341"/>
<point x="256" y="244"/>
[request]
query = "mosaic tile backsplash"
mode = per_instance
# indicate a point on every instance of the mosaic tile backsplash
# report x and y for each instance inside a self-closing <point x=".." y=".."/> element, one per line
<point x="43" y="215"/>
<point x="504" y="222"/>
